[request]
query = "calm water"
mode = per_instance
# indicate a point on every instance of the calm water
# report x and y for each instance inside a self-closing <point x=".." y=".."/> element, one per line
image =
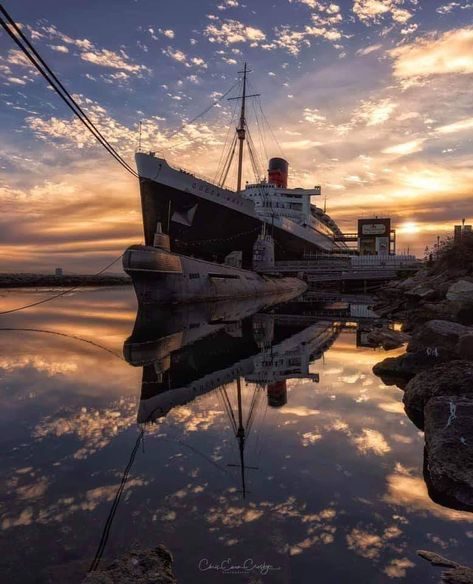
<point x="331" y="487"/>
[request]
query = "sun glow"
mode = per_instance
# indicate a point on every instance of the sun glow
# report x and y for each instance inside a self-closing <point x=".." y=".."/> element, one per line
<point x="409" y="227"/>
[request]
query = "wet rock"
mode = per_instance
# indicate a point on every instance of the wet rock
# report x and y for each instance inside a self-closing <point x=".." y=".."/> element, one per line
<point x="423" y="292"/>
<point x="456" y="574"/>
<point x="414" y="316"/>
<point x="407" y="284"/>
<point x="387" y="338"/>
<point x="151" y="566"/>
<point x="403" y="368"/>
<point x="452" y="378"/>
<point x="464" y="347"/>
<point x="436" y="559"/>
<point x="448" y="467"/>
<point x="461" y="291"/>
<point x="463" y="313"/>
<point x="437" y="334"/>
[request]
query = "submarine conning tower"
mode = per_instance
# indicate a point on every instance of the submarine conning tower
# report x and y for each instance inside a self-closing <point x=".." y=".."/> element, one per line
<point x="278" y="171"/>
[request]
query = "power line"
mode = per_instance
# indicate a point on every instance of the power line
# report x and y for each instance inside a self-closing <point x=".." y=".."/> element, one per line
<point x="43" y="68"/>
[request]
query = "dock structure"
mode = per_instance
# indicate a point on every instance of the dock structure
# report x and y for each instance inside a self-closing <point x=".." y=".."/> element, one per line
<point x="344" y="268"/>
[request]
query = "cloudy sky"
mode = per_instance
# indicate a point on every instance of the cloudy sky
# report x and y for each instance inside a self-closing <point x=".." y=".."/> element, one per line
<point x="371" y="99"/>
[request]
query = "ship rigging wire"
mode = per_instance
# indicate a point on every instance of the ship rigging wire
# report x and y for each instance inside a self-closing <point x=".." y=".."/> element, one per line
<point x="12" y="29"/>
<point x="118" y="495"/>
<point x="206" y="110"/>
<point x="49" y="298"/>
<point x="67" y="335"/>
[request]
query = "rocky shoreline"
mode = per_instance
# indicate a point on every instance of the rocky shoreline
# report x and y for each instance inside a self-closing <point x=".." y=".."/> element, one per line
<point x="435" y="308"/>
<point x="64" y="281"/>
<point x="138" y="566"/>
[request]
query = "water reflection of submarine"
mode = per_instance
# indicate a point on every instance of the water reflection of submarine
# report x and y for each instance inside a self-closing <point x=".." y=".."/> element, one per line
<point x="250" y="350"/>
<point x="159" y="331"/>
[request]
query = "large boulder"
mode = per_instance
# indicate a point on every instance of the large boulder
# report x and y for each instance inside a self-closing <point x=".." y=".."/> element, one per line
<point x="387" y="338"/>
<point x="464" y="347"/>
<point x="422" y="292"/>
<point x="149" y="566"/>
<point x="437" y="334"/>
<point x="414" y="316"/>
<point x="448" y="379"/>
<point x="461" y="291"/>
<point x="448" y="468"/>
<point x="399" y="370"/>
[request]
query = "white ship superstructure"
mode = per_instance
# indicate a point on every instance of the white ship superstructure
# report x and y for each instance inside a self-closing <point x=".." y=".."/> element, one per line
<point x="206" y="220"/>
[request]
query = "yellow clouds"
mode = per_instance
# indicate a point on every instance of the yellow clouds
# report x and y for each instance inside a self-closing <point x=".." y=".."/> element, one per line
<point x="405" y="148"/>
<point x="85" y="213"/>
<point x="406" y="490"/>
<point x="371" y="441"/>
<point x="456" y="126"/>
<point x="451" y="52"/>
<point x="375" y="113"/>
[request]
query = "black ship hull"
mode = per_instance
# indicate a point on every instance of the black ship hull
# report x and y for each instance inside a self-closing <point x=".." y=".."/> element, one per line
<point x="208" y="230"/>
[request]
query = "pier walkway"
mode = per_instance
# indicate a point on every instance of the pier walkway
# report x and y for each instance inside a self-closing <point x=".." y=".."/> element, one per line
<point x="343" y="268"/>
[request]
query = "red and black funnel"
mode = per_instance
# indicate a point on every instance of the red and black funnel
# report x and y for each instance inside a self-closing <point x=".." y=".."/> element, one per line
<point x="278" y="171"/>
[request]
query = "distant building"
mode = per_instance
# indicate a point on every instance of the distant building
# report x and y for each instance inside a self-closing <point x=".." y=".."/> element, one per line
<point x="58" y="272"/>
<point x="375" y="237"/>
<point x="460" y="230"/>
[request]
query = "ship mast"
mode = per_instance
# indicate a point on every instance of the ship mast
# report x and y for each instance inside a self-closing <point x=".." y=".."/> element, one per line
<point x="241" y="434"/>
<point x="241" y="130"/>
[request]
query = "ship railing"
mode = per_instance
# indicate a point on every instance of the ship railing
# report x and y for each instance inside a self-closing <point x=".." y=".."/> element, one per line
<point x="203" y="177"/>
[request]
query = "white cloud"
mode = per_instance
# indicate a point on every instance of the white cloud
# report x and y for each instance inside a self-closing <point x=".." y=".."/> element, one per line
<point x="181" y="57"/>
<point x="176" y="54"/>
<point x="371" y="441"/>
<point x="397" y="567"/>
<point x="375" y="113"/>
<point x="228" y="4"/>
<point x="168" y="32"/>
<point x="59" y="48"/>
<point x="459" y="126"/>
<point x="199" y="62"/>
<point x="405" y="148"/>
<point x="373" y="11"/>
<point x="313" y="115"/>
<point x="446" y="8"/>
<point x="90" y="53"/>
<point x="53" y="32"/>
<point x="16" y="80"/>
<point x="17" y="57"/>
<point x="368" y="50"/>
<point x="300" y="144"/>
<point x="326" y="20"/>
<point x="451" y="52"/>
<point x="232" y="31"/>
<point x="107" y="58"/>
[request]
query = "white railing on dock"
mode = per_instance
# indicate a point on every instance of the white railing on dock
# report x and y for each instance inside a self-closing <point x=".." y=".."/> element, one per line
<point x="384" y="261"/>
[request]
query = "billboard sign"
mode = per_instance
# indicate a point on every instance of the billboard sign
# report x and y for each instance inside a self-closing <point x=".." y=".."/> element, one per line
<point x="373" y="229"/>
<point x="373" y="236"/>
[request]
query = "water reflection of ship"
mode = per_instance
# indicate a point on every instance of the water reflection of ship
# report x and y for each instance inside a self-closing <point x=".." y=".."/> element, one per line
<point x="214" y="348"/>
<point x="332" y="304"/>
<point x="187" y="351"/>
<point x="265" y="349"/>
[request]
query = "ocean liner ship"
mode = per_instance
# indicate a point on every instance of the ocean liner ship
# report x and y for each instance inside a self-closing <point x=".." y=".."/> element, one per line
<point x="211" y="222"/>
